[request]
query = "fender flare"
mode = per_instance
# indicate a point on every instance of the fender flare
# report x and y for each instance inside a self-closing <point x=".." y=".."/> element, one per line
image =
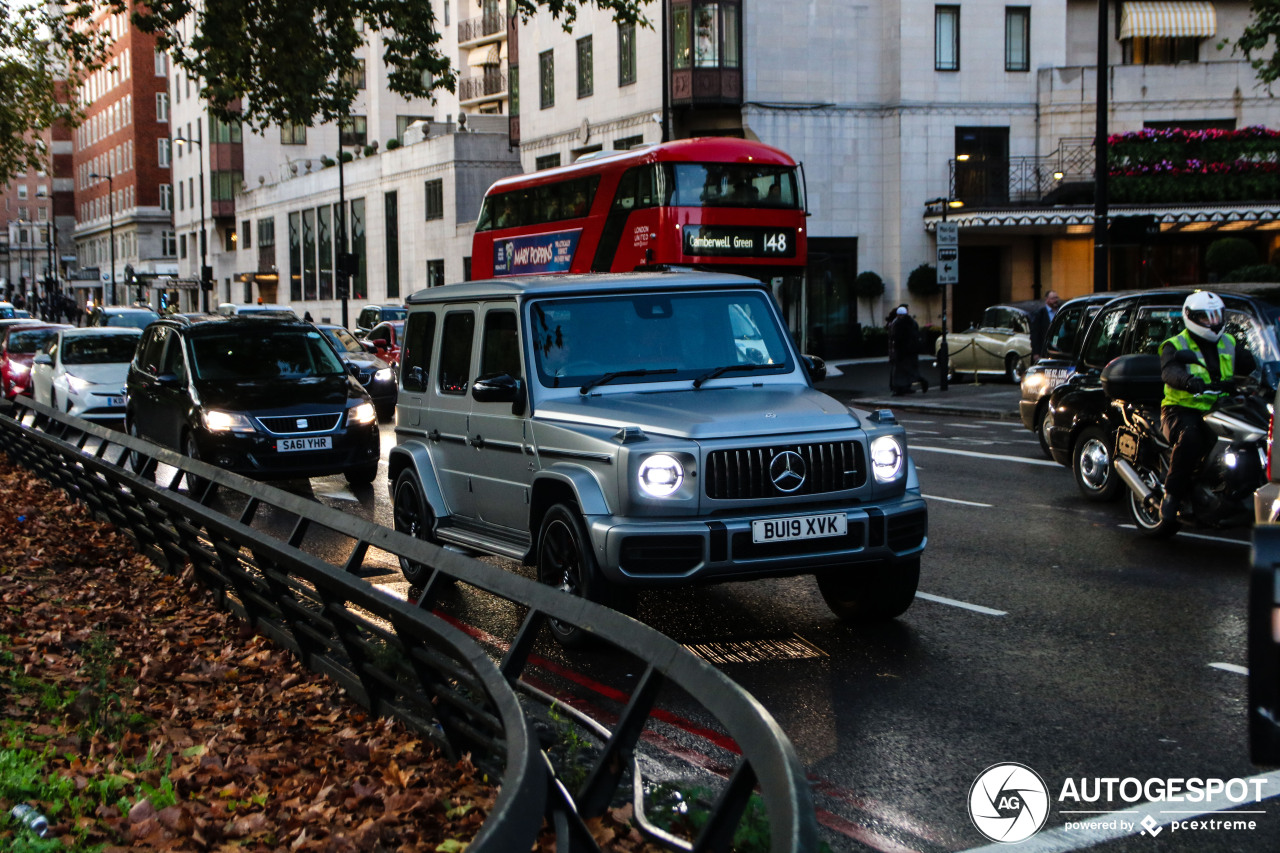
<point x="414" y="455"/>
<point x="581" y="481"/>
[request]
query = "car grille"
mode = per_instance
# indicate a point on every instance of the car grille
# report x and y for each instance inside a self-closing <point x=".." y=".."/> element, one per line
<point x="745" y="473"/>
<point x="290" y="424"/>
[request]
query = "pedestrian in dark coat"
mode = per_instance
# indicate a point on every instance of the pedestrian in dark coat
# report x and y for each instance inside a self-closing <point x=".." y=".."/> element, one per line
<point x="1040" y="324"/>
<point x="904" y="354"/>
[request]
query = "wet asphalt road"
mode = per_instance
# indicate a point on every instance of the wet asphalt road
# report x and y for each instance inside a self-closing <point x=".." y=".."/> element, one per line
<point x="1047" y="634"/>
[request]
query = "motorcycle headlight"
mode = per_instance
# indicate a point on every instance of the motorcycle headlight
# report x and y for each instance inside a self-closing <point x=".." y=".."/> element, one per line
<point x="217" y="421"/>
<point x="661" y="475"/>
<point x="887" y="458"/>
<point x="362" y="414"/>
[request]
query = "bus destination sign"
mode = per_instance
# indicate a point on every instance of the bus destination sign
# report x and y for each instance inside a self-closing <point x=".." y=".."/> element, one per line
<point x="535" y="253"/>
<point x="740" y="241"/>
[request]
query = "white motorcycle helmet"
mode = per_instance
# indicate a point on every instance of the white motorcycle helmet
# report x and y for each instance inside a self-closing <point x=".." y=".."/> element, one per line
<point x="1204" y="314"/>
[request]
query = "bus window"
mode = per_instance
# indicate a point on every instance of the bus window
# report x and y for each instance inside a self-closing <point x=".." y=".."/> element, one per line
<point x="733" y="185"/>
<point x="534" y="206"/>
<point x="636" y="189"/>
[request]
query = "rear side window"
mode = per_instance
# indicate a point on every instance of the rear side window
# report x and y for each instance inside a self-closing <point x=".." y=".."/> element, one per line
<point x="455" y="351"/>
<point x="1061" y="339"/>
<point x="1153" y="325"/>
<point x="1106" y="336"/>
<point x="147" y="358"/>
<point x="415" y="356"/>
<point x="500" y="349"/>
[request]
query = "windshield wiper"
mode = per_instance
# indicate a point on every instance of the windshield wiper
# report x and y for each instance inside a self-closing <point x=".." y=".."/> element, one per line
<point x="712" y="374"/>
<point x="617" y="374"/>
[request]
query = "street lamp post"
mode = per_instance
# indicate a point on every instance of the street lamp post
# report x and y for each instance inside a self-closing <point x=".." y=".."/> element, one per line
<point x="111" y="210"/>
<point x="206" y="284"/>
<point x="944" y="355"/>
<point x="344" y="264"/>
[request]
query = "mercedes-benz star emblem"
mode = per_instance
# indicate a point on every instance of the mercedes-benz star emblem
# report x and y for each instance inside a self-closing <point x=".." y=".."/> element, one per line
<point x="787" y="471"/>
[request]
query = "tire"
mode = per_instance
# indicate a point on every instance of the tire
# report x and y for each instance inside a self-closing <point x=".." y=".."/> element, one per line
<point x="1149" y="521"/>
<point x="871" y="594"/>
<point x="412" y="515"/>
<point x="1013" y="368"/>
<point x="195" y="485"/>
<point x="1091" y="465"/>
<point x="566" y="561"/>
<point x="362" y="476"/>
<point x="1043" y="423"/>
<point x="136" y="460"/>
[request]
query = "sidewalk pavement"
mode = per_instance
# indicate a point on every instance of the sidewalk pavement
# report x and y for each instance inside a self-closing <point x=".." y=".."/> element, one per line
<point x="864" y="383"/>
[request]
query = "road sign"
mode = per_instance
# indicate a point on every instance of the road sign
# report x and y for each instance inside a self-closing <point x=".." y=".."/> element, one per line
<point x="948" y="234"/>
<point x="948" y="265"/>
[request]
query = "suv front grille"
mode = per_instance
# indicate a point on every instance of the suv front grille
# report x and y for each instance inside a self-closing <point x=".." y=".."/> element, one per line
<point x="749" y="473"/>
<point x="293" y="424"/>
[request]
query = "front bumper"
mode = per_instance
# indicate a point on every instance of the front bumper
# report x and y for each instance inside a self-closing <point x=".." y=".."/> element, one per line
<point x="659" y="553"/>
<point x="256" y="455"/>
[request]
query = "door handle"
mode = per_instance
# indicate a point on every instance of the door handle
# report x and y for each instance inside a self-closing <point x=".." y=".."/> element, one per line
<point x="477" y="442"/>
<point x="434" y="435"/>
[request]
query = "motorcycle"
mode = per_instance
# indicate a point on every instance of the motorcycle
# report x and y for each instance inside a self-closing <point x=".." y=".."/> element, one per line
<point x="1231" y="471"/>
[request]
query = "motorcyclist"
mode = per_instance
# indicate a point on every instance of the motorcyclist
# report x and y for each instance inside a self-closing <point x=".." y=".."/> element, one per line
<point x="1200" y="358"/>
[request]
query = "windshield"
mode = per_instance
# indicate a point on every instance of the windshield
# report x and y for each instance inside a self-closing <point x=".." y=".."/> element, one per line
<point x="733" y="185"/>
<point x="98" y="349"/>
<point x="135" y="319"/>
<point x="579" y="340"/>
<point x="25" y="343"/>
<point x="343" y="340"/>
<point x="269" y="353"/>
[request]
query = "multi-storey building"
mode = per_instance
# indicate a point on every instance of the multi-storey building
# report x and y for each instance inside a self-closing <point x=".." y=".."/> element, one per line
<point x="891" y="107"/>
<point x="123" y="190"/>
<point x="36" y="223"/>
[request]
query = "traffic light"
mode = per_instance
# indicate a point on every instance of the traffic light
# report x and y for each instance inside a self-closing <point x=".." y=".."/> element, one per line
<point x="206" y="278"/>
<point x="348" y="263"/>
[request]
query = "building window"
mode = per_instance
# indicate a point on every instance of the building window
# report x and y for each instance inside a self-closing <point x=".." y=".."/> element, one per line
<point x="706" y="35"/>
<point x="181" y="195"/>
<point x="627" y="143"/>
<point x="182" y="249"/>
<point x="42" y="214"/>
<point x="435" y="199"/>
<point x="403" y="122"/>
<point x="166" y="196"/>
<point x="22" y="192"/>
<point x="392" y="228"/>
<point x="586" y="74"/>
<point x="1017" y="38"/>
<point x="435" y="273"/>
<point x="223" y="131"/>
<point x="248" y="234"/>
<point x="168" y="244"/>
<point x="946" y="38"/>
<point x="229" y="240"/>
<point x="1160" y="50"/>
<point x="547" y="161"/>
<point x="162" y="64"/>
<point x="162" y="153"/>
<point x="266" y="233"/>
<point x="547" y="78"/>
<point x="353" y="130"/>
<point x="626" y="54"/>
<point x="223" y="186"/>
<point x="355" y="77"/>
<point x="293" y="134"/>
<point x="162" y="106"/>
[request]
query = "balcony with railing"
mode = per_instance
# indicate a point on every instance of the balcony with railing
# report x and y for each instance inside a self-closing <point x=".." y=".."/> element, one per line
<point x="1063" y="177"/>
<point x="490" y="85"/>
<point x="486" y="27"/>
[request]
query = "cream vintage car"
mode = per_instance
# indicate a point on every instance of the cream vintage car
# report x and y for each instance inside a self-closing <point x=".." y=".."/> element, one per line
<point x="1000" y="345"/>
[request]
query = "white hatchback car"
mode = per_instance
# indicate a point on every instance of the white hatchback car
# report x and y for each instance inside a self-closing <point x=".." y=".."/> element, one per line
<point x="82" y="371"/>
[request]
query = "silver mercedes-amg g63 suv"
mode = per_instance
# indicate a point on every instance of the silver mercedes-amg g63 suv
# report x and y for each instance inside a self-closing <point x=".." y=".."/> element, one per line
<point x="634" y="430"/>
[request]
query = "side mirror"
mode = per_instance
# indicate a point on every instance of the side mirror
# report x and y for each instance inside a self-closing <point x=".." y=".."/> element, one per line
<point x="168" y="380"/>
<point x="498" y="388"/>
<point x="42" y="358"/>
<point x="354" y="370"/>
<point x="815" y="367"/>
<point x="368" y="346"/>
<point x="379" y="343"/>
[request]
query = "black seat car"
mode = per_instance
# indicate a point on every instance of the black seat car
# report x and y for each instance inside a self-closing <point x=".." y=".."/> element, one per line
<point x="266" y="397"/>
<point x="376" y="375"/>
<point x="1081" y="434"/>
<point x="121" y="315"/>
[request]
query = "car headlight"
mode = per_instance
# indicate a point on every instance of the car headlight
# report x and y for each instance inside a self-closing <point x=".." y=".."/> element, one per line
<point x="383" y="375"/>
<point x="362" y="414"/>
<point x="17" y="368"/>
<point x="75" y="385"/>
<point x="886" y="458"/>
<point x="216" y="421"/>
<point x="661" y="475"/>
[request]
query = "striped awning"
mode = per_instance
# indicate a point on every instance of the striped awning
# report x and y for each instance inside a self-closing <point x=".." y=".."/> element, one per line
<point x="1176" y="18"/>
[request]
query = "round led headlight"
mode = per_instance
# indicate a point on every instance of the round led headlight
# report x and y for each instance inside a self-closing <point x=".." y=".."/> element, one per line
<point x="661" y="475"/>
<point x="886" y="458"/>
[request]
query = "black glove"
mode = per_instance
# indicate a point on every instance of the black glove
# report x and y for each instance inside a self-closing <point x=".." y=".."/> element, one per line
<point x="1195" y="385"/>
<point x="1224" y="386"/>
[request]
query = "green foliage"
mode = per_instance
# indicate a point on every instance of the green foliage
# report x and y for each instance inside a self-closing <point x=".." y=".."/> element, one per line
<point x="393" y="144"/>
<point x="572" y="749"/>
<point x="292" y="62"/>
<point x="923" y="281"/>
<point x="684" y="811"/>
<point x="1258" y="41"/>
<point x="1230" y="253"/>
<point x="868" y="285"/>
<point x="1255" y="272"/>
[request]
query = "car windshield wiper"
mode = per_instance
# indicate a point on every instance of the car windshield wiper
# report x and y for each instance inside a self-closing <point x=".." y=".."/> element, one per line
<point x="617" y="374"/>
<point x="712" y="374"/>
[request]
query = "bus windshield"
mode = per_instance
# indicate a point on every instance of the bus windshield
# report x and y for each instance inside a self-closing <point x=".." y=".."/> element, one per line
<point x="637" y="336"/>
<point x="731" y="185"/>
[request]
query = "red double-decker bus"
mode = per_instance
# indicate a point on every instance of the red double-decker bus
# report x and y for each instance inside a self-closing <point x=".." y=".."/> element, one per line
<point x="713" y="203"/>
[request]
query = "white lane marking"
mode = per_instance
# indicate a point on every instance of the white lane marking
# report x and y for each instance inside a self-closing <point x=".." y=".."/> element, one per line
<point x="1106" y="826"/>
<point x="924" y="432"/>
<point x="966" y="426"/>
<point x="954" y="501"/>
<point x="1220" y="539"/>
<point x="1011" y="424"/>
<point x="1231" y="667"/>
<point x="1045" y="462"/>
<point x="977" y="608"/>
